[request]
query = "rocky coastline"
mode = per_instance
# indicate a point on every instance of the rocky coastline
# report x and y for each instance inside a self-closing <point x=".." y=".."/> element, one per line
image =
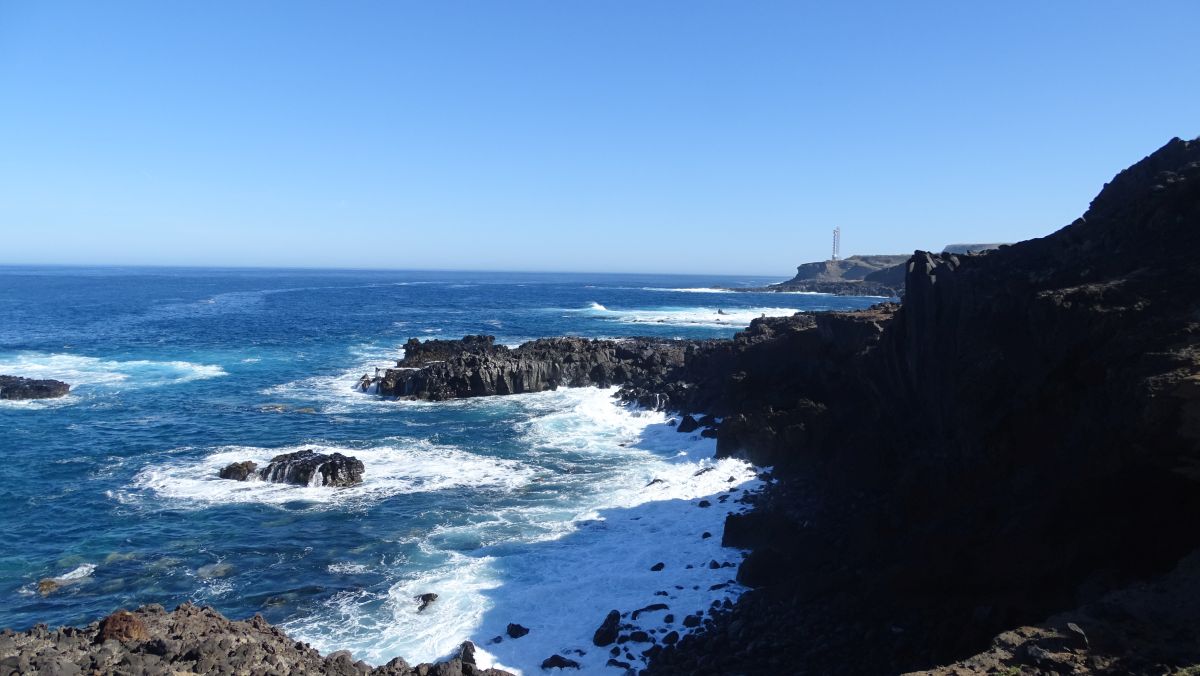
<point x="195" y="640"/>
<point x="997" y="475"/>
<point x="1003" y="445"/>
<point x="17" y="388"/>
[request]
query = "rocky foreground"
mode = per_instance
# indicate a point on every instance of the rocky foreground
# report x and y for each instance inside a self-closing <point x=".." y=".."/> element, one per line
<point x="194" y="640"/>
<point x="15" y="387"/>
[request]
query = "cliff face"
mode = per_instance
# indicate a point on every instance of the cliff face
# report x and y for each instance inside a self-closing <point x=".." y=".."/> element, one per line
<point x="1021" y="434"/>
<point x="1018" y="437"/>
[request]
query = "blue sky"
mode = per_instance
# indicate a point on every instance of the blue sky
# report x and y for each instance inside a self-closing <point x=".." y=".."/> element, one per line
<point x="710" y="137"/>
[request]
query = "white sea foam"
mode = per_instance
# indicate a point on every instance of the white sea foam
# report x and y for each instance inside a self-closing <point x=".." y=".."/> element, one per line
<point x="338" y="392"/>
<point x="82" y="571"/>
<point x="686" y="316"/>
<point x="701" y="289"/>
<point x="411" y="466"/>
<point x="581" y="544"/>
<point x="92" y="372"/>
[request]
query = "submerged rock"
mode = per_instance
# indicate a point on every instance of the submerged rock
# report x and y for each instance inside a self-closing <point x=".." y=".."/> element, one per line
<point x="16" y="387"/>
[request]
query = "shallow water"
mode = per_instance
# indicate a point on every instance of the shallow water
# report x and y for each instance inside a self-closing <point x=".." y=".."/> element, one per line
<point x="531" y="509"/>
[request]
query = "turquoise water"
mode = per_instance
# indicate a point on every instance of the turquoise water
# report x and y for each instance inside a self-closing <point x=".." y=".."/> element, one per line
<point x="530" y="509"/>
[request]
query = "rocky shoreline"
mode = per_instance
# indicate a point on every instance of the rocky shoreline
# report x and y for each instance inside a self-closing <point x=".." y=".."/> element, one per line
<point x="195" y="640"/>
<point x="1018" y="440"/>
<point x="1001" y="446"/>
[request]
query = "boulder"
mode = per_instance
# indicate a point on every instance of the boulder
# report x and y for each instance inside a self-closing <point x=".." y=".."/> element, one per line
<point x="122" y="626"/>
<point x="309" y="468"/>
<point x="688" y="425"/>
<point x="423" y="600"/>
<point x="239" y="471"/>
<point x="516" y="630"/>
<point x="607" y="633"/>
<point x="559" y="662"/>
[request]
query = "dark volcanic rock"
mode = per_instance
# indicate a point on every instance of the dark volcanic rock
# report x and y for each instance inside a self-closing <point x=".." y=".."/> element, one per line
<point x="309" y="468"/>
<point x="516" y="631"/>
<point x="422" y="353"/>
<point x="478" y="368"/>
<point x="559" y="662"/>
<point x="197" y="640"/>
<point x="238" y="471"/>
<point x="688" y="425"/>
<point x="1022" y="432"/>
<point x="423" y="600"/>
<point x="14" y="387"/>
<point x="607" y="633"/>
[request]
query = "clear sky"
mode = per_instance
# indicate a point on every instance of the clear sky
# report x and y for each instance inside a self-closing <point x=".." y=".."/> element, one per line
<point x="692" y="136"/>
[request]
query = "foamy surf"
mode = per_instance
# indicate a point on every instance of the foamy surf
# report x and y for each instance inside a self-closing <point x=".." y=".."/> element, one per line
<point x="410" y="466"/>
<point x="80" y="371"/>
<point x="623" y="494"/>
<point x="711" y="317"/>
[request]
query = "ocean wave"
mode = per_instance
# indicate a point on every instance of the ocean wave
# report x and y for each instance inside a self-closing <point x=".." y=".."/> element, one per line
<point x="715" y="317"/>
<point x="416" y="466"/>
<point x="86" y="372"/>
<point x="699" y="289"/>
<point x="621" y="494"/>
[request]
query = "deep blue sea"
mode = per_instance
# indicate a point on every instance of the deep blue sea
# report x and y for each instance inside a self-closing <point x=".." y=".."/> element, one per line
<point x="531" y="509"/>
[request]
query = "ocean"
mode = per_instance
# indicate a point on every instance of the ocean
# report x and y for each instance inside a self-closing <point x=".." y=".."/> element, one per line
<point x="533" y="509"/>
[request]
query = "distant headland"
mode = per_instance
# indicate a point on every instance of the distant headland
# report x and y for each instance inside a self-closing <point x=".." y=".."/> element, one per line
<point x="872" y="275"/>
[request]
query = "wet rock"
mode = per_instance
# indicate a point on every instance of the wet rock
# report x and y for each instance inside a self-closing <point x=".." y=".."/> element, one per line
<point x="48" y="586"/>
<point x="559" y="662"/>
<point x="704" y="503"/>
<point x="516" y="630"/>
<point x="423" y="600"/>
<point x="239" y="471"/>
<point x="658" y="566"/>
<point x="648" y="609"/>
<point x="606" y="634"/>
<point x="687" y="425"/>
<point x="17" y="388"/>
<point x="309" y="468"/>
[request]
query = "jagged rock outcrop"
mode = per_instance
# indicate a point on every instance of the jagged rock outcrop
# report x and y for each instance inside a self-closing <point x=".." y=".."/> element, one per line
<point x="1020" y="435"/>
<point x="302" y="468"/>
<point x="15" y="387"/>
<point x="476" y="367"/>
<point x="194" y="639"/>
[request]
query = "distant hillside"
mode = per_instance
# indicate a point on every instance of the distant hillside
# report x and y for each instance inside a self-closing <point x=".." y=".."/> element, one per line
<point x="970" y="248"/>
